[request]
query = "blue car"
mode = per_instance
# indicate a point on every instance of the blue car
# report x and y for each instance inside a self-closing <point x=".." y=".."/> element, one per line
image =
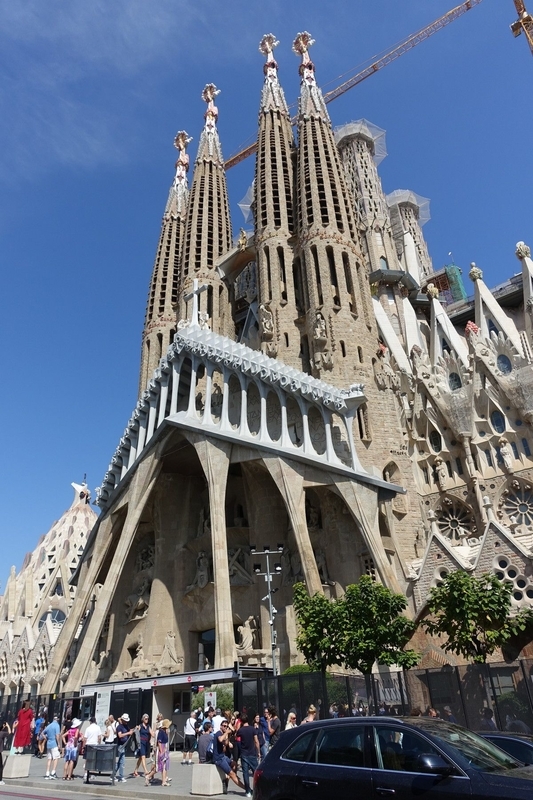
<point x="518" y="745"/>
<point x="368" y="758"/>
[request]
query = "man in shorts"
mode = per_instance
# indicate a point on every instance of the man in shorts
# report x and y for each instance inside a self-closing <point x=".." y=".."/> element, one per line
<point x="52" y="732"/>
<point x="222" y="753"/>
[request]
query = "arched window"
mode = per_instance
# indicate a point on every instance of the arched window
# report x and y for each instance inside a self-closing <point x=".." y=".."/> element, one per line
<point x="454" y="381"/>
<point x="383" y="263"/>
<point x="435" y="440"/>
<point x="498" y="421"/>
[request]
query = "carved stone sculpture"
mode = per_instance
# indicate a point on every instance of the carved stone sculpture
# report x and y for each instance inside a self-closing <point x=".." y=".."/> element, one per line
<point x="248" y="633"/>
<point x="169" y="657"/>
<point x="239" y="567"/>
<point x="137" y="603"/>
<point x="319" y="328"/>
<point x="201" y="578"/>
<point x="441" y="473"/>
<point x="522" y="250"/>
<point x="506" y="454"/>
<point x="320" y="558"/>
<point x="266" y="322"/>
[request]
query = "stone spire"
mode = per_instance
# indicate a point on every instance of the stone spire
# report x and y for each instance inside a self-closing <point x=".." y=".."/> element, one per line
<point x="278" y="299"/>
<point x="160" y="318"/>
<point x="208" y="226"/>
<point x="337" y="302"/>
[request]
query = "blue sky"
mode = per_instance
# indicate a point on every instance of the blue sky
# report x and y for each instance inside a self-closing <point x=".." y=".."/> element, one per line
<point x="91" y="96"/>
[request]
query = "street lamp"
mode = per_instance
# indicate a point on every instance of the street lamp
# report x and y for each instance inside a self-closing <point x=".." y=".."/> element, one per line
<point x="266" y="552"/>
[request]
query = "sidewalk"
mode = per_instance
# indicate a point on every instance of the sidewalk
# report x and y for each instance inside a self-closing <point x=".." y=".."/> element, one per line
<point x="100" y="786"/>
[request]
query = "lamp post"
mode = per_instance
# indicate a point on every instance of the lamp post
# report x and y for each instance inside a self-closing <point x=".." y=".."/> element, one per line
<point x="266" y="552"/>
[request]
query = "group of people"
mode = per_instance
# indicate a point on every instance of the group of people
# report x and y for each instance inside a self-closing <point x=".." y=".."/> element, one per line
<point x="147" y="741"/>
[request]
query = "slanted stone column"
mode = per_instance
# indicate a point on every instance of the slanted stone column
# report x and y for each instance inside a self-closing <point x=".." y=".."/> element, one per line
<point x="215" y="458"/>
<point x="139" y="491"/>
<point x="362" y="503"/>
<point x="290" y="483"/>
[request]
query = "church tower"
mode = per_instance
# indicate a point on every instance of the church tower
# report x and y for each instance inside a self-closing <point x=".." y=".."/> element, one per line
<point x="160" y="318"/>
<point x="339" y="321"/>
<point x="208" y="227"/>
<point x="279" y="294"/>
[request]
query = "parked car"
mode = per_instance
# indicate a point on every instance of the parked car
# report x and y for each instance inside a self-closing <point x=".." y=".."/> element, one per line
<point x="373" y="757"/>
<point x="518" y="745"/>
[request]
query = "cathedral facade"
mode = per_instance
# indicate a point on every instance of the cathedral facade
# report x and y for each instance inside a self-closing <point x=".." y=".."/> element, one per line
<point x="313" y="387"/>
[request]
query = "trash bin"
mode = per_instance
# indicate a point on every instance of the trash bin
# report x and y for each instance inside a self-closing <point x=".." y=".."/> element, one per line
<point x="101" y="758"/>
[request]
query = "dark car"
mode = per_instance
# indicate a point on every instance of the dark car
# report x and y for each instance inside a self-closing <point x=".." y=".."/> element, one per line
<point x="373" y="757"/>
<point x="518" y="745"/>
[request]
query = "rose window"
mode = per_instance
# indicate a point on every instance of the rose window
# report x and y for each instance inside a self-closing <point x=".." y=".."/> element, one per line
<point x="455" y="522"/>
<point x="519" y="505"/>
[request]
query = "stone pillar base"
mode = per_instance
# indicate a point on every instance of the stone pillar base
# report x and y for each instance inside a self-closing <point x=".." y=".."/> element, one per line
<point x="207" y="779"/>
<point x="17" y="766"/>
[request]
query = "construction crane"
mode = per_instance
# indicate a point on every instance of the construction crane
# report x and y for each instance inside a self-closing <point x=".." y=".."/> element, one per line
<point x="392" y="55"/>
<point x="523" y="23"/>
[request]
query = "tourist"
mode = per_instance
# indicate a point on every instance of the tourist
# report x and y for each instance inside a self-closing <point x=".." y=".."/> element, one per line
<point x="217" y="719"/>
<point x="145" y="737"/>
<point x="5" y="732"/>
<point x="447" y="714"/>
<point x="222" y="750"/>
<point x="311" y="715"/>
<point x="71" y="739"/>
<point x="23" y="727"/>
<point x="274" y="725"/>
<point x="39" y="723"/>
<point x="52" y="733"/>
<point x="259" y="732"/>
<point x="41" y="738"/>
<point x="110" y="734"/>
<point x="487" y="723"/>
<point x="205" y="743"/>
<point x="189" y="738"/>
<point x="91" y="737"/>
<point x="250" y="751"/>
<point x="266" y="735"/>
<point x="163" y="756"/>
<point x="124" y="733"/>
<point x="291" y="721"/>
<point x="432" y="712"/>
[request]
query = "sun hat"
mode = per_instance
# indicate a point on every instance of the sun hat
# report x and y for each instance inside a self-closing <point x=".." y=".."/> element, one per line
<point x="75" y="723"/>
<point x="125" y="717"/>
<point x="165" y="723"/>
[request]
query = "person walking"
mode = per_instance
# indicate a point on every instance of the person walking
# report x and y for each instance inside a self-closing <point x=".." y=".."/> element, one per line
<point x="311" y="715"/>
<point x="189" y="739"/>
<point x="91" y="737"/>
<point x="250" y="751"/>
<point x="39" y="723"/>
<point x="5" y="732"/>
<point x="291" y="721"/>
<point x="274" y="725"/>
<point x="163" y="756"/>
<point x="222" y="748"/>
<point x="71" y="740"/>
<point x="52" y="733"/>
<point x="145" y="738"/>
<point x="259" y="732"/>
<point x="124" y="732"/>
<point x="110" y="734"/>
<point x="23" y="727"/>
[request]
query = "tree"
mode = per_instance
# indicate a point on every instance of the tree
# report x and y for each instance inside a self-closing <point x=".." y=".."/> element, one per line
<point x="364" y="626"/>
<point x="376" y="629"/>
<point x="475" y="614"/>
<point x="320" y="628"/>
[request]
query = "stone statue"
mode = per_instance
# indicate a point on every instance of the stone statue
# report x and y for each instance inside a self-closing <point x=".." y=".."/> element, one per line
<point x="145" y="558"/>
<point x="475" y="273"/>
<point x="522" y="250"/>
<point x="169" y="657"/>
<point x="209" y="93"/>
<point x="441" y="473"/>
<point x="432" y="291"/>
<point x="138" y="602"/>
<point x="201" y="579"/>
<point x="204" y="525"/>
<point x="319" y="328"/>
<point x="248" y="632"/>
<point x="320" y="558"/>
<point x="242" y="242"/>
<point x="139" y="659"/>
<point x="296" y="567"/>
<point x="506" y="454"/>
<point x="313" y="519"/>
<point x="204" y="321"/>
<point x="266" y="322"/>
<point x="239" y="567"/>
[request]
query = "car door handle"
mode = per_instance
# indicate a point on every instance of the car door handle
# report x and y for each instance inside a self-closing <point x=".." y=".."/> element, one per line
<point x="310" y="783"/>
<point x="381" y="791"/>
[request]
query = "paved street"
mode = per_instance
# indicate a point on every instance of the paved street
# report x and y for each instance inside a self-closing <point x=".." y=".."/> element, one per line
<point x="35" y="786"/>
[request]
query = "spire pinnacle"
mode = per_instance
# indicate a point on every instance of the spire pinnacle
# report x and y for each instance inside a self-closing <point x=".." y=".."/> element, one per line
<point x="209" y="93"/>
<point x="180" y="187"/>
<point x="209" y="147"/>
<point x="272" y="97"/>
<point x="311" y="102"/>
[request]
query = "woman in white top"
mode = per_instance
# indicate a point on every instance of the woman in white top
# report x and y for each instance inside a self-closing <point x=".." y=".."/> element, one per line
<point x="291" y="721"/>
<point x="189" y="744"/>
<point x="110" y="730"/>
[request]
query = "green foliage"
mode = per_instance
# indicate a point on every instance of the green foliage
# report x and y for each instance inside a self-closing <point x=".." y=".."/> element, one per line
<point x="297" y="669"/>
<point x="474" y="614"/>
<point x="377" y="629"/>
<point x="364" y="626"/>
<point x="224" y="697"/>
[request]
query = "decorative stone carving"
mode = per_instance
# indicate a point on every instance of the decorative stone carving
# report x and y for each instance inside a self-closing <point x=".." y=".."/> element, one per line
<point x="249" y="635"/>
<point x="441" y="473"/>
<point x="455" y="521"/>
<point x="506" y="454"/>
<point x="320" y="558"/>
<point x="203" y="570"/>
<point x="204" y="524"/>
<point x="319" y="328"/>
<point x="312" y="516"/>
<point x="240" y="573"/>
<point x="169" y="658"/>
<point x="242" y="242"/>
<point x="139" y="660"/>
<point x="204" y="321"/>
<point x="266" y="322"/>
<point x="522" y="250"/>
<point x="475" y="273"/>
<point x="432" y="291"/>
<point x="296" y="568"/>
<point x="137" y="603"/>
<point x="145" y="558"/>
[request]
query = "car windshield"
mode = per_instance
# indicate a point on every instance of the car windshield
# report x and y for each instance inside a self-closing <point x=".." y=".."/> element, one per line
<point x="467" y="746"/>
